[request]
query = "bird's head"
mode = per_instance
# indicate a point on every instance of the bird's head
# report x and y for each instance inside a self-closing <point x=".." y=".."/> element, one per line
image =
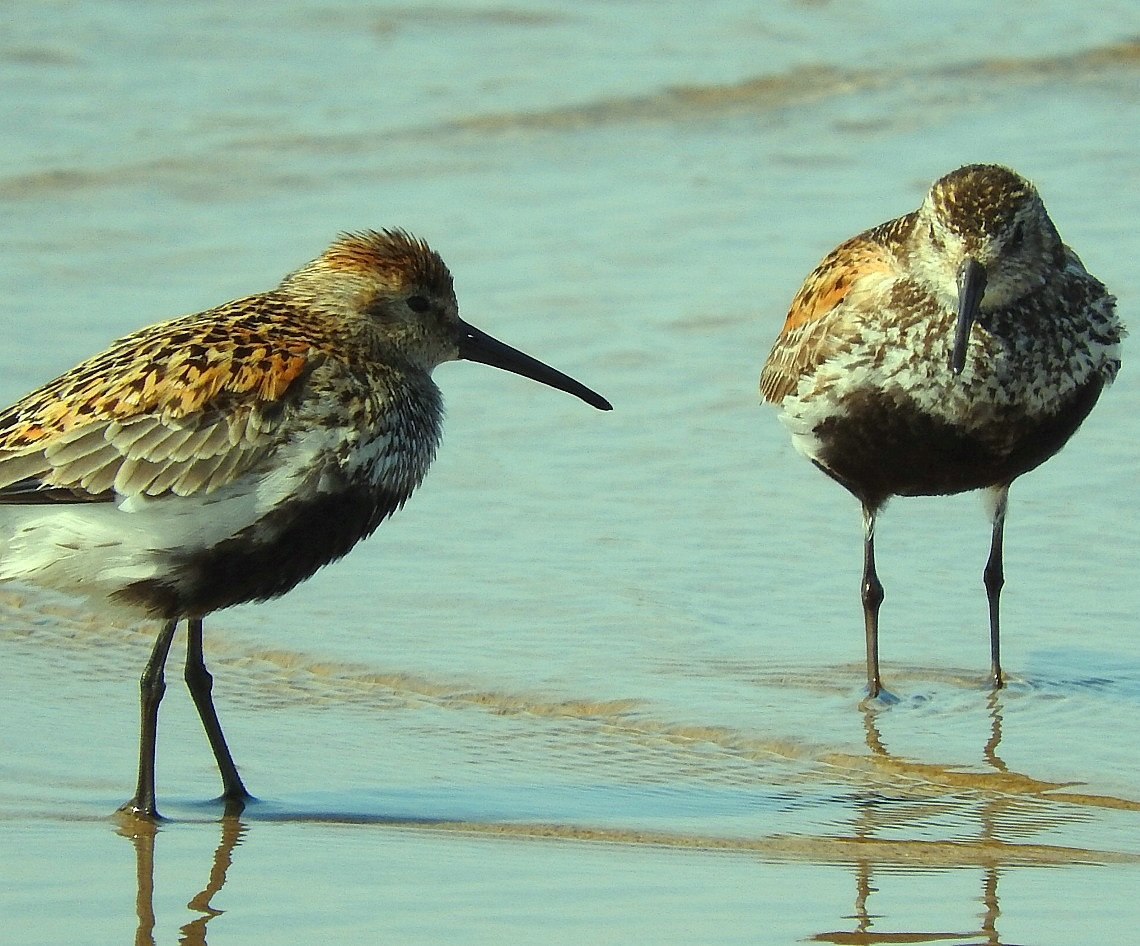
<point x="983" y="241"/>
<point x="395" y="295"/>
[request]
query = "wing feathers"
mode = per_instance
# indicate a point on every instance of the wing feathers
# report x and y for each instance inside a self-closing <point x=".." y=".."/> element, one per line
<point x="77" y="444"/>
<point x="18" y="474"/>
<point x="808" y="337"/>
<point x="135" y="475"/>
<point x="182" y="407"/>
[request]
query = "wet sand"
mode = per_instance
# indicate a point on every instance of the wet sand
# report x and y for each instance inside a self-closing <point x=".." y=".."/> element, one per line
<point x="429" y="811"/>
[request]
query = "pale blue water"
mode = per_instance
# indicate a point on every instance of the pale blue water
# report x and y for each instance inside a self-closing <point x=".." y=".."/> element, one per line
<point x="598" y="681"/>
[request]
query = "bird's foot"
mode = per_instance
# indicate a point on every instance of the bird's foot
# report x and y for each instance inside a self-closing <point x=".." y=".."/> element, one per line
<point x="141" y="810"/>
<point x="234" y="803"/>
<point x="879" y="699"/>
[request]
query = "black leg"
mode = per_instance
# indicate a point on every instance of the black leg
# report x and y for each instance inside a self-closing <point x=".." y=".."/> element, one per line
<point x="201" y="683"/>
<point x="994" y="578"/>
<point x="151" y="687"/>
<point x="872" y="595"/>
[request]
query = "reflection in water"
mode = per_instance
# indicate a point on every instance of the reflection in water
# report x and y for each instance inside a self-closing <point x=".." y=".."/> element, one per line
<point x="142" y="834"/>
<point x="879" y="824"/>
<point x="875" y="812"/>
<point x="991" y="747"/>
<point x="989" y="813"/>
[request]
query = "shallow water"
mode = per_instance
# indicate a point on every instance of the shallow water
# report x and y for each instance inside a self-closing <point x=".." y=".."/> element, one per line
<point x="599" y="680"/>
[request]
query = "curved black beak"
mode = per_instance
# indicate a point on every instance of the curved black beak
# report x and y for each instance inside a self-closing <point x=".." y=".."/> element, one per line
<point x="475" y="345"/>
<point x="971" y="288"/>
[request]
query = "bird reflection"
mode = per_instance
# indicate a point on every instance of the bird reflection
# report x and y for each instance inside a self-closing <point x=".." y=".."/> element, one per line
<point x="874" y="812"/>
<point x="991" y="747"/>
<point x="142" y="834"/>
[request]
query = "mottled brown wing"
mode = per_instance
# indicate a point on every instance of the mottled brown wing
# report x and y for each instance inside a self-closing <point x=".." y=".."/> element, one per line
<point x="809" y="335"/>
<point x="182" y="407"/>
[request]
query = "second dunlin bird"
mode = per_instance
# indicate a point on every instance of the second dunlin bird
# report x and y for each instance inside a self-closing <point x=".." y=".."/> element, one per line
<point x="952" y="349"/>
<point x="226" y="456"/>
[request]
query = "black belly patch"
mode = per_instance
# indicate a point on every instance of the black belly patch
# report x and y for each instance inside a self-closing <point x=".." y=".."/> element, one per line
<point x="268" y="558"/>
<point x="880" y="449"/>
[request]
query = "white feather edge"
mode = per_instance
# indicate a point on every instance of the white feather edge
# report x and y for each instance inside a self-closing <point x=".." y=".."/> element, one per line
<point x="96" y="549"/>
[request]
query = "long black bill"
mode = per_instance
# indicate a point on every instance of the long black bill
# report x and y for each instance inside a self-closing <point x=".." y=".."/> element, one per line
<point x="971" y="288"/>
<point x="475" y="345"/>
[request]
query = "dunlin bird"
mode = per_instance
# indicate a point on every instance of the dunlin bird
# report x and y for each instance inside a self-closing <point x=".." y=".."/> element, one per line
<point x="226" y="456"/>
<point x="952" y="349"/>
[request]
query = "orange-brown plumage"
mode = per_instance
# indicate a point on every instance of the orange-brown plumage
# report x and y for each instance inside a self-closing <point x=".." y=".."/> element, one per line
<point x="953" y="348"/>
<point x="395" y="264"/>
<point x="837" y="276"/>
<point x="226" y="456"/>
<point x="809" y="335"/>
<point x="175" y="369"/>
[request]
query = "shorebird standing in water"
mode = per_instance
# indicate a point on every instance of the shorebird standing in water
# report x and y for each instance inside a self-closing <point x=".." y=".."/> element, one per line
<point x="952" y="349"/>
<point x="226" y="456"/>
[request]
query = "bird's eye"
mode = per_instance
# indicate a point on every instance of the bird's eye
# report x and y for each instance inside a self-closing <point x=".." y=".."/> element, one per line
<point x="418" y="303"/>
<point x="1017" y="237"/>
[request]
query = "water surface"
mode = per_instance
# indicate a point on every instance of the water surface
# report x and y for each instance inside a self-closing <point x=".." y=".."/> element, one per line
<point x="599" y="680"/>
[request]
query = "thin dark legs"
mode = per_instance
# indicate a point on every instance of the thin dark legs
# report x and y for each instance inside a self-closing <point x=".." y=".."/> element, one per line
<point x="994" y="578"/>
<point x="201" y="684"/>
<point x="151" y="687"/>
<point x="872" y="595"/>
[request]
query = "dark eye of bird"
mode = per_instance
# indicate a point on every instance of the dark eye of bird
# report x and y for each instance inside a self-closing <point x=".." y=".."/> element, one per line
<point x="418" y="303"/>
<point x="1017" y="237"/>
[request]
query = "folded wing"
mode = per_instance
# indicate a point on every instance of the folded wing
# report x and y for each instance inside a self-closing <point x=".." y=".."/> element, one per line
<point x="180" y="408"/>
